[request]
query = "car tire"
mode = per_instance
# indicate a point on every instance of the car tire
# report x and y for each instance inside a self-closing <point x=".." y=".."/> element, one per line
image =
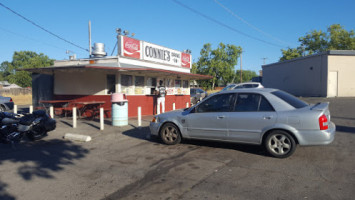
<point x="280" y="144"/>
<point x="170" y="134"/>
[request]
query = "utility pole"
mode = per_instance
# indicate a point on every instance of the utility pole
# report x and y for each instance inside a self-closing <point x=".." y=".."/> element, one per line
<point x="241" y="73"/>
<point x="264" y="60"/>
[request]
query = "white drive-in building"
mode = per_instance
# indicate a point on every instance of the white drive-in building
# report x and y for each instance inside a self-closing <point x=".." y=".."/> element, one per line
<point x="329" y="74"/>
<point x="135" y="71"/>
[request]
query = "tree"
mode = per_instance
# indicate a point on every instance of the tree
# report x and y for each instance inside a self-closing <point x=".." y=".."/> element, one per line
<point x="5" y="68"/>
<point x="23" y="60"/>
<point x="218" y="63"/>
<point x="336" y="38"/>
<point x="247" y="75"/>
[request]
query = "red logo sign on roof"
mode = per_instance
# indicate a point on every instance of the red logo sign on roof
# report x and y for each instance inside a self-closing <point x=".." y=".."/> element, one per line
<point x="185" y="60"/>
<point x="131" y="47"/>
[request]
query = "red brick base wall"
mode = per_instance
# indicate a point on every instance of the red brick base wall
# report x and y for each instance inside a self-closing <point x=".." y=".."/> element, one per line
<point x="148" y="103"/>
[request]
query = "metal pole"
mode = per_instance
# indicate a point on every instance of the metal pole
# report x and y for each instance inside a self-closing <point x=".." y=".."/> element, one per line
<point x="51" y="112"/>
<point x="74" y="117"/>
<point x="101" y="119"/>
<point x="173" y="106"/>
<point x="241" y="74"/>
<point x="139" y="116"/>
<point x="15" y="109"/>
<point x="31" y="109"/>
<point x="89" y="38"/>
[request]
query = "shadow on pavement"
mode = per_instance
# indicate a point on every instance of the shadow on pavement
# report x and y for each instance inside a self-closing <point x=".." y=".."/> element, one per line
<point x="142" y="133"/>
<point x="346" y="129"/>
<point x="3" y="194"/>
<point x="246" y="148"/>
<point x="39" y="159"/>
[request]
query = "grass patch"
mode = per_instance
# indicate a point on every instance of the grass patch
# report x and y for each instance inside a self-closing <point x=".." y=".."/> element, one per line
<point x="21" y="99"/>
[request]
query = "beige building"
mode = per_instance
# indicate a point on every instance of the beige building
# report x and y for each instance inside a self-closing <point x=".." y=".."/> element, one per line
<point x="329" y="74"/>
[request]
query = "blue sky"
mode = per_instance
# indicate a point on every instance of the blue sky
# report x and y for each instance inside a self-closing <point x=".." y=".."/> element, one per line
<point x="273" y="24"/>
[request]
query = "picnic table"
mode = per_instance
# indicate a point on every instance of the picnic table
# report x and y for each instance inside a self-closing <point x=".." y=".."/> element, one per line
<point x="88" y="109"/>
<point x="60" y="106"/>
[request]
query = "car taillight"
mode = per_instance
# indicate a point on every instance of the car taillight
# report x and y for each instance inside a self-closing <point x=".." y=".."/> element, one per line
<point x="10" y="99"/>
<point x="323" y="122"/>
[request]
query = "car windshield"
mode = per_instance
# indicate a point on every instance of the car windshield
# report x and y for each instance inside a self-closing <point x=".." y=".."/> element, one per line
<point x="290" y="99"/>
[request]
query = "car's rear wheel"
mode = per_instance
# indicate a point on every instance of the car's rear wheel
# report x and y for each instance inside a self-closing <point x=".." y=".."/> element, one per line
<point x="280" y="144"/>
<point x="170" y="134"/>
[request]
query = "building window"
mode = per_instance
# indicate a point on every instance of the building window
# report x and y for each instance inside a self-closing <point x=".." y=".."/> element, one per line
<point x="185" y="84"/>
<point x="178" y="83"/>
<point x="178" y="87"/>
<point x="111" y="83"/>
<point x="126" y="84"/>
<point x="139" y="85"/>
<point x="151" y="85"/>
<point x="139" y="81"/>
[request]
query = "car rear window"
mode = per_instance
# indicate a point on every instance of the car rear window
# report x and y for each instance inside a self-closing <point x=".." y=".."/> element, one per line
<point x="290" y="99"/>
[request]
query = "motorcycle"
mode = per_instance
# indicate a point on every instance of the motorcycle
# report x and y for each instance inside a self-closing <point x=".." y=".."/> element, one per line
<point x="35" y="126"/>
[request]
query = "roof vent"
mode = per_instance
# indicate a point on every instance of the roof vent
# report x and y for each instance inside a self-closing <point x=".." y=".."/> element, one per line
<point x="99" y="50"/>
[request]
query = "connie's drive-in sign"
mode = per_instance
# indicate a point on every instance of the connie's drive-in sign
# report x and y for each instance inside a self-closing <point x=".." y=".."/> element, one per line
<point x="142" y="50"/>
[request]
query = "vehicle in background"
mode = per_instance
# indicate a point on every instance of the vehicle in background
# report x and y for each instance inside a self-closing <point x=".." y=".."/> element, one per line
<point x="263" y="116"/>
<point x="243" y="85"/>
<point x="196" y="95"/>
<point x="6" y="103"/>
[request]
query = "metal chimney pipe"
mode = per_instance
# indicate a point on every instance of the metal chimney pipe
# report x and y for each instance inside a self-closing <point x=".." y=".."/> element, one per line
<point x="89" y="38"/>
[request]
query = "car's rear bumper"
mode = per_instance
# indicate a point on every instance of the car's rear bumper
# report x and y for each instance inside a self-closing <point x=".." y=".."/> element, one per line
<point x="9" y="105"/>
<point x="323" y="137"/>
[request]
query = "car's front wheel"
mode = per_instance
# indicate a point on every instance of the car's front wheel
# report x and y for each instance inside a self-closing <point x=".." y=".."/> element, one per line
<point x="280" y="144"/>
<point x="170" y="134"/>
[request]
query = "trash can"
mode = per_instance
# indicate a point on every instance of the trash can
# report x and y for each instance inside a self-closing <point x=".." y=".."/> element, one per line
<point x="119" y="109"/>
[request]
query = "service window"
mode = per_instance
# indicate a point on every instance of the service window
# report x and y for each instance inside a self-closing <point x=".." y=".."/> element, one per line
<point x="177" y="83"/>
<point x="139" y="85"/>
<point x="151" y="85"/>
<point x="185" y="84"/>
<point x="178" y="89"/>
<point x="126" y="84"/>
<point x="111" y="83"/>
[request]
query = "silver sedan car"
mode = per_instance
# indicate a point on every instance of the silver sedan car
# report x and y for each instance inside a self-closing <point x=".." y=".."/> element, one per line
<point x="265" y="116"/>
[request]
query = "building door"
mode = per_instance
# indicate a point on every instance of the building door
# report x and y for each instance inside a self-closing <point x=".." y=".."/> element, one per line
<point x="111" y="83"/>
<point x="332" y="84"/>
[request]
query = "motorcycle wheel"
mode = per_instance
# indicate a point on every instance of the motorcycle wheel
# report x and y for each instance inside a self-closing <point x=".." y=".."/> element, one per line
<point x="37" y="133"/>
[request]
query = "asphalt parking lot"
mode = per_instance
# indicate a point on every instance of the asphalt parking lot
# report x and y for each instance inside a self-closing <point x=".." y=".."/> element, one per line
<point x="121" y="163"/>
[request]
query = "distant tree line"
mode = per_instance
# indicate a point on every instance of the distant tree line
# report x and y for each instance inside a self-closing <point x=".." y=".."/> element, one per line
<point x="10" y="71"/>
<point x="335" y="38"/>
<point x="219" y="63"/>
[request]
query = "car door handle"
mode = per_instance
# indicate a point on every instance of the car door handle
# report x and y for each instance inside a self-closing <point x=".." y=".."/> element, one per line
<point x="220" y="117"/>
<point x="267" y="117"/>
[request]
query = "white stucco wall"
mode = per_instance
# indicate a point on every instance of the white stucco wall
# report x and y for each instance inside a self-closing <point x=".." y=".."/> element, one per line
<point x="300" y="77"/>
<point x="80" y="83"/>
<point x="345" y="66"/>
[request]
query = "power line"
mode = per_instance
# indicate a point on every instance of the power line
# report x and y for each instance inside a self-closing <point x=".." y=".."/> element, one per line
<point x="225" y="25"/>
<point x="28" y="38"/>
<point x="250" y="25"/>
<point x="33" y="23"/>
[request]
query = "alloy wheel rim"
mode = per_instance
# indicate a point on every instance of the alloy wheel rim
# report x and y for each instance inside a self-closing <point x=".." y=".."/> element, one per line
<point x="280" y="144"/>
<point x="170" y="134"/>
